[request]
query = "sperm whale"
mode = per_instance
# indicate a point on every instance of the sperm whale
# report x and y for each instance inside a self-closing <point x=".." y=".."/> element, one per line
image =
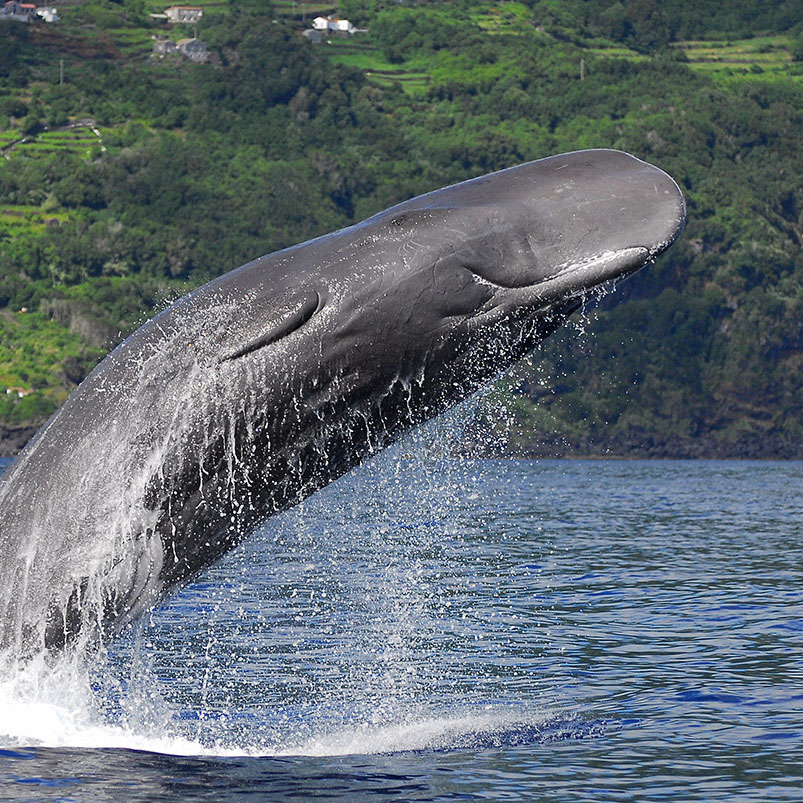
<point x="260" y="387"/>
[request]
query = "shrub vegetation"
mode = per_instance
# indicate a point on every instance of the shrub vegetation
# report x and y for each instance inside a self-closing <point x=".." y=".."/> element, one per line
<point x="127" y="179"/>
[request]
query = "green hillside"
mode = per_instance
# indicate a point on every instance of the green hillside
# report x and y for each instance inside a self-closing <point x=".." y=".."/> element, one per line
<point x="126" y="179"/>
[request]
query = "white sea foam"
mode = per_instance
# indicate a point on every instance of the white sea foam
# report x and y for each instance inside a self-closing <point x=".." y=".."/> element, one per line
<point x="70" y="724"/>
<point x="57" y="705"/>
<point x="45" y="724"/>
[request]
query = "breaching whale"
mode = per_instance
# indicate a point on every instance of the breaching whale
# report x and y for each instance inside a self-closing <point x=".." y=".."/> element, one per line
<point x="260" y="387"/>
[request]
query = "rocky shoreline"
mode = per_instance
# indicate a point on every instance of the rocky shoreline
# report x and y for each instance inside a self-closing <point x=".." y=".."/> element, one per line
<point x="651" y="446"/>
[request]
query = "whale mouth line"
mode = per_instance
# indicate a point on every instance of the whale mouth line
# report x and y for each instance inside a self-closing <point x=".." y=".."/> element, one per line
<point x="603" y="267"/>
<point x="589" y="273"/>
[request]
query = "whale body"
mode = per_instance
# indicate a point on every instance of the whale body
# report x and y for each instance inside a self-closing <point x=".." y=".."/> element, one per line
<point x="258" y="388"/>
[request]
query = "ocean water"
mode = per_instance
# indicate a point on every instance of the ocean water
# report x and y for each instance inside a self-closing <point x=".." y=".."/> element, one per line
<point x="437" y="629"/>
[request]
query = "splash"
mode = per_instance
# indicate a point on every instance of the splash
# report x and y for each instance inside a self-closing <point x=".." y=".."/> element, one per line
<point x="372" y="611"/>
<point x="48" y="723"/>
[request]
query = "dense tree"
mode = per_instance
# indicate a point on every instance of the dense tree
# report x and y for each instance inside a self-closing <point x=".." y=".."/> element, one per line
<point x="706" y="354"/>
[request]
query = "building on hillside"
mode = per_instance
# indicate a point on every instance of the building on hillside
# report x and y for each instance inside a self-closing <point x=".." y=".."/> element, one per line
<point x="27" y="12"/>
<point x="313" y="35"/>
<point x="164" y="47"/>
<point x="342" y="27"/>
<point x="184" y="14"/>
<point x="21" y="12"/>
<point x="333" y="26"/>
<point x="47" y="14"/>
<point x="193" y="49"/>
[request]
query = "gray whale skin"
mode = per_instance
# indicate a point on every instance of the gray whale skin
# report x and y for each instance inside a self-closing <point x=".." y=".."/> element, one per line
<point x="260" y="387"/>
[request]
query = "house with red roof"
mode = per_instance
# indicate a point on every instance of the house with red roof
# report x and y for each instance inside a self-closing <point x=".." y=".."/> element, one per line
<point x="15" y="10"/>
<point x="186" y="14"/>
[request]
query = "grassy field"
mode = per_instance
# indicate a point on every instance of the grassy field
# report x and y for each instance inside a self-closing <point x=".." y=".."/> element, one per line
<point x="619" y="52"/>
<point x="16" y="219"/>
<point x="363" y="56"/>
<point x="132" y="41"/>
<point x="304" y="11"/>
<point x="8" y="137"/>
<point x="766" y="50"/>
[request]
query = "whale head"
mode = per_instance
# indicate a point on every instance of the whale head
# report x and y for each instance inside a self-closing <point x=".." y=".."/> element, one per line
<point x="458" y="283"/>
<point x="590" y="215"/>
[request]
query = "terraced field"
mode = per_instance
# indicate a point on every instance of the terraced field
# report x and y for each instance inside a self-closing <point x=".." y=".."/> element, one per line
<point x="16" y="219"/>
<point x="8" y="138"/>
<point x="80" y="139"/>
<point x="619" y="52"/>
<point x="303" y="11"/>
<point x="132" y="41"/>
<point x="508" y="18"/>
<point x="368" y="57"/>
<point x="760" y="54"/>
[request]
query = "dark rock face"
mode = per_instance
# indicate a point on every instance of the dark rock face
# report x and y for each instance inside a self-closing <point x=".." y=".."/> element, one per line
<point x="13" y="437"/>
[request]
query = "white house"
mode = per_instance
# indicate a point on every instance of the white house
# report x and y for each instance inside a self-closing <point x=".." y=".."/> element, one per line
<point x="330" y="25"/>
<point x="21" y="392"/>
<point x="342" y="26"/>
<point x="184" y="14"/>
<point x="47" y="14"/>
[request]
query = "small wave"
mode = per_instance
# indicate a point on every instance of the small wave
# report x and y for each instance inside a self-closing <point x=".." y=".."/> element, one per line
<point x="47" y="724"/>
<point x="55" y="704"/>
<point x="465" y="731"/>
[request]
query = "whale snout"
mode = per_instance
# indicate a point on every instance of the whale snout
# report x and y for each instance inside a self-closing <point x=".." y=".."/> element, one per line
<point x="590" y="215"/>
<point x="605" y="213"/>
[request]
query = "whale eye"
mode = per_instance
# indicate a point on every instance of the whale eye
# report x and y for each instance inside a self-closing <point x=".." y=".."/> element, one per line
<point x="264" y="320"/>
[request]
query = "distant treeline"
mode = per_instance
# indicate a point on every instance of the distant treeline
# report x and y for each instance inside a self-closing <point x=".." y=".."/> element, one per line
<point x="650" y="24"/>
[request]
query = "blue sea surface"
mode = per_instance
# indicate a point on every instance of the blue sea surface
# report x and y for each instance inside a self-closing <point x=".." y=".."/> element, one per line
<point x="438" y="629"/>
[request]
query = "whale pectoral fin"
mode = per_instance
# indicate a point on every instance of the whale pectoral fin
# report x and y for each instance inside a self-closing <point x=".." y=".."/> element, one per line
<point x="266" y="320"/>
